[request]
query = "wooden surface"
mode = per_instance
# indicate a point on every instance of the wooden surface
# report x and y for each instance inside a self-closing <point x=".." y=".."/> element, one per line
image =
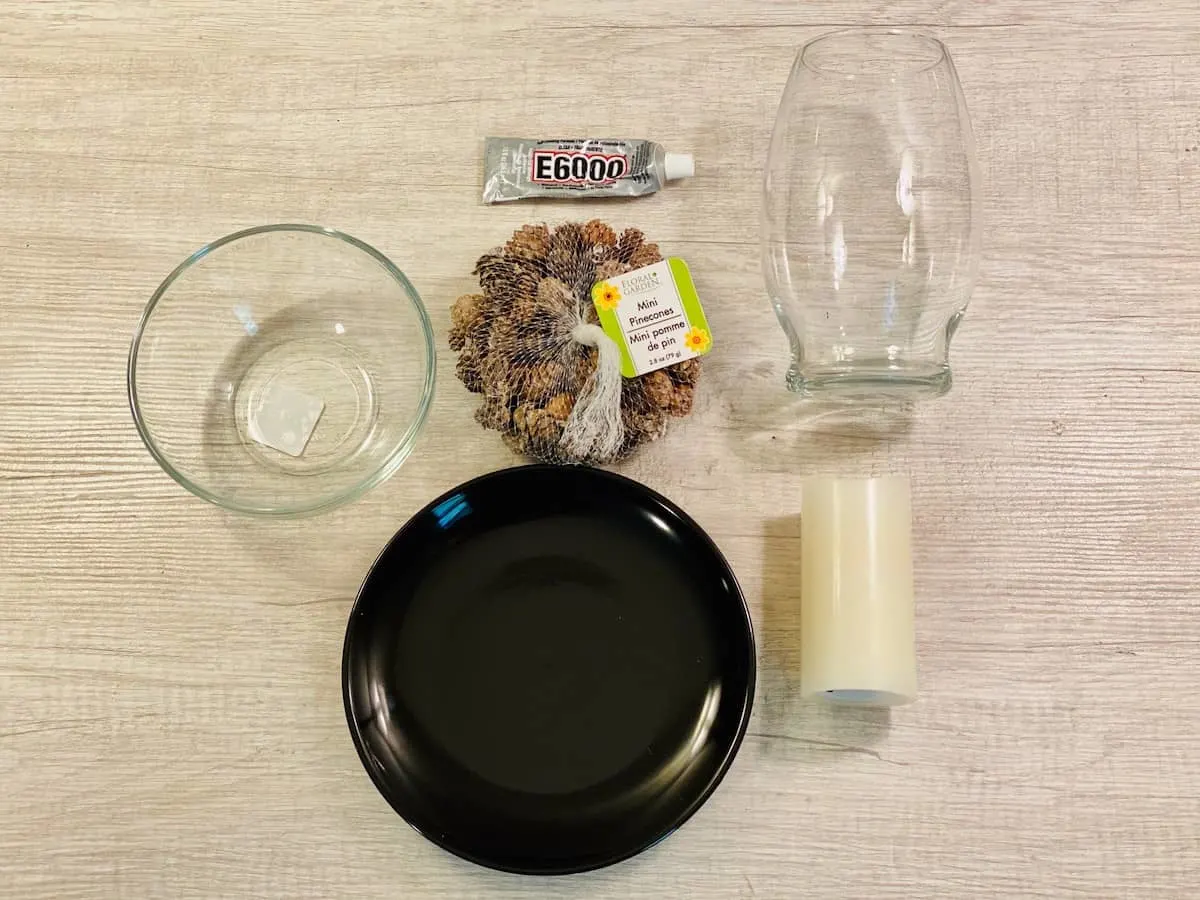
<point x="170" y="717"/>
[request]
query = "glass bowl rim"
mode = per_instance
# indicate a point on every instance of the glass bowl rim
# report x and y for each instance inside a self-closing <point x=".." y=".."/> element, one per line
<point x="380" y="473"/>
<point x="919" y="35"/>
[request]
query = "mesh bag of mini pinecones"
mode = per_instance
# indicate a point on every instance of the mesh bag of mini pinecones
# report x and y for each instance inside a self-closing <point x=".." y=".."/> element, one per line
<point x="530" y="344"/>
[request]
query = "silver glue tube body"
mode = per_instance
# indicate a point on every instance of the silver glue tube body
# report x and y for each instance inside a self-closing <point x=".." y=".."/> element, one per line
<point x="517" y="169"/>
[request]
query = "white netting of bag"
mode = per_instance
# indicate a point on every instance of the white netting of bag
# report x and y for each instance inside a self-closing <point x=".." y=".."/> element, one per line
<point x="531" y="344"/>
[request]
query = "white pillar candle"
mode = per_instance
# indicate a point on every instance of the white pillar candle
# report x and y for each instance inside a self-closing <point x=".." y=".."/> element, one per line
<point x="857" y="641"/>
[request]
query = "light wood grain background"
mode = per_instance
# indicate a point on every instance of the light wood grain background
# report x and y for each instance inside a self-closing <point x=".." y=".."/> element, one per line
<point x="170" y="716"/>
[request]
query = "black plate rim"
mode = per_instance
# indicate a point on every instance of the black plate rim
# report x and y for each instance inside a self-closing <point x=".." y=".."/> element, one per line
<point x="727" y="759"/>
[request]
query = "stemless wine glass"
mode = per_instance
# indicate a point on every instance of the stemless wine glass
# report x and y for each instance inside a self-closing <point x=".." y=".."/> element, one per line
<point x="870" y="222"/>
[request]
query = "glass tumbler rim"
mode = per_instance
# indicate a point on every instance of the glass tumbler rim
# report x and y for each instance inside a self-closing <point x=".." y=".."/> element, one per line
<point x="935" y="54"/>
<point x="386" y="468"/>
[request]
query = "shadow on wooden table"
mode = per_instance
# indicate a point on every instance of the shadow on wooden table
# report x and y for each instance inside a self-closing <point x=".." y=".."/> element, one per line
<point x="777" y="431"/>
<point x="784" y="716"/>
<point x="321" y="558"/>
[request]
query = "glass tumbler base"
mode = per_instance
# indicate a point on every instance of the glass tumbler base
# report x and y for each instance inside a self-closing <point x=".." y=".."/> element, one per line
<point x="870" y="382"/>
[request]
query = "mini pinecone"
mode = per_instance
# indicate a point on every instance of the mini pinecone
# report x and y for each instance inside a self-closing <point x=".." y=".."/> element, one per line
<point x="515" y="347"/>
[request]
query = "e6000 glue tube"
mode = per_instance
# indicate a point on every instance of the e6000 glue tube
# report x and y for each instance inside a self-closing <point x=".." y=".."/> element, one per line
<point x="516" y="168"/>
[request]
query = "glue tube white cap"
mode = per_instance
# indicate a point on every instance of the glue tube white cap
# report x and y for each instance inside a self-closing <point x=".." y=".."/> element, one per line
<point x="857" y="638"/>
<point x="678" y="165"/>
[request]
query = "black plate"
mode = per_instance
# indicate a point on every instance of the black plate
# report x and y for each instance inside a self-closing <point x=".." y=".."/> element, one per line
<point x="548" y="669"/>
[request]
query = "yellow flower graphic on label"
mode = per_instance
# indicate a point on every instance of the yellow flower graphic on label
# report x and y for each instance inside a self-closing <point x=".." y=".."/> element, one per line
<point x="697" y="340"/>
<point x="606" y="296"/>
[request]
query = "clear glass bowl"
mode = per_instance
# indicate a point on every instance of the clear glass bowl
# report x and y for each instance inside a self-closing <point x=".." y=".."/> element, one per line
<point x="282" y="370"/>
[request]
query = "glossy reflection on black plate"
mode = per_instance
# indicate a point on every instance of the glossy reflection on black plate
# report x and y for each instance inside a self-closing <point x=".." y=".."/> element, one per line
<point x="548" y="669"/>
